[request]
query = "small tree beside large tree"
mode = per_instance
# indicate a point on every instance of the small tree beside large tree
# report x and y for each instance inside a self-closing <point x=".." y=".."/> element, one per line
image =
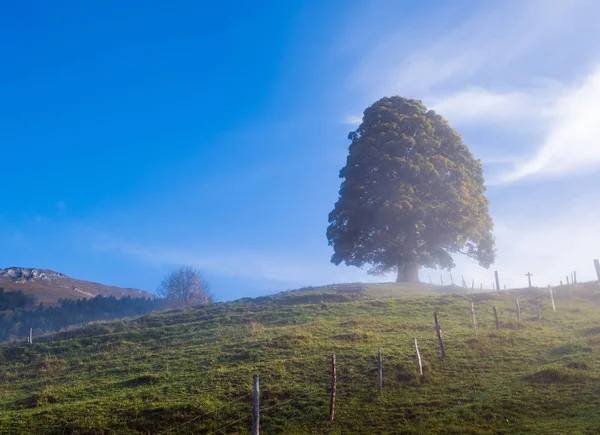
<point x="412" y="195"/>
<point x="185" y="286"/>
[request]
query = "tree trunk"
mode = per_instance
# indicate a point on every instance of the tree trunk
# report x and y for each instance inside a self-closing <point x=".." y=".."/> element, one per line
<point x="410" y="273"/>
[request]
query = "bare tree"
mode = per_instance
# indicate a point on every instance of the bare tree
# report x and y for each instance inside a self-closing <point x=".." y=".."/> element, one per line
<point x="185" y="286"/>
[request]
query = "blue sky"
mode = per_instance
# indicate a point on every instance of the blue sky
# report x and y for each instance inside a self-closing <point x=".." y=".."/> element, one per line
<point x="137" y="136"/>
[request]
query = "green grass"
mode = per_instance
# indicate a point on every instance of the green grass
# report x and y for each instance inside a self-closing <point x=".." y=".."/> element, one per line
<point x="191" y="371"/>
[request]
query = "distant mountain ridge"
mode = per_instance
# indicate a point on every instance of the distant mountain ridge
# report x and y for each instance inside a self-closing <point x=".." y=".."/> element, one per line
<point x="49" y="286"/>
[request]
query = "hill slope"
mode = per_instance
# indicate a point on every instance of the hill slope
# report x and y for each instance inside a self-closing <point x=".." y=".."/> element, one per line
<point x="183" y="372"/>
<point x="49" y="286"/>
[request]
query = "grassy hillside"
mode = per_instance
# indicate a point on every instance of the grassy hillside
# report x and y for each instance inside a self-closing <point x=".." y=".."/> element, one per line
<point x="185" y="372"/>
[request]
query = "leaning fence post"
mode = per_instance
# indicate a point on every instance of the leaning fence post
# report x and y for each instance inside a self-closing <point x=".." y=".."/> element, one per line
<point x="333" y="388"/>
<point x="379" y="370"/>
<point x="474" y="320"/>
<point x="419" y="358"/>
<point x="438" y="329"/>
<point x="518" y="311"/>
<point x="552" y="300"/>
<point x="255" y="406"/>
<point x="496" y="317"/>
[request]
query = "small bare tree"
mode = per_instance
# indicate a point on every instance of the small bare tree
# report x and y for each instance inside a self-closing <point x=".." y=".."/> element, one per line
<point x="185" y="286"/>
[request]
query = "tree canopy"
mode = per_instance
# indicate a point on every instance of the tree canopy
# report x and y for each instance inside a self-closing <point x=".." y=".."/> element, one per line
<point x="412" y="194"/>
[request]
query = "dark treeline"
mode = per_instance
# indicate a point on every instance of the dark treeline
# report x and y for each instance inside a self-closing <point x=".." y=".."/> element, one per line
<point x="11" y="300"/>
<point x="18" y="312"/>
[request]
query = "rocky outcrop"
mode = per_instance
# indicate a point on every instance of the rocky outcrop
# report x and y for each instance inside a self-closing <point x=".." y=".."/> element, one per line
<point x="24" y="274"/>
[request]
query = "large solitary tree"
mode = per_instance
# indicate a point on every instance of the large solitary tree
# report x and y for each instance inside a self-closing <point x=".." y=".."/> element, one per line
<point x="412" y="194"/>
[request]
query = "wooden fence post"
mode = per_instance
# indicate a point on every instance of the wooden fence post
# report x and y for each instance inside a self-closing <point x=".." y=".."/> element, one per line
<point x="438" y="329"/>
<point x="597" y="267"/>
<point x="419" y="362"/>
<point x="552" y="299"/>
<point x="539" y="310"/>
<point x="497" y="280"/>
<point x="472" y="285"/>
<point x="30" y="335"/>
<point x="474" y="320"/>
<point x="379" y="370"/>
<point x="255" y="407"/>
<point x="464" y="283"/>
<point x="451" y="280"/>
<point x="496" y="317"/>
<point x="518" y="311"/>
<point x="442" y="279"/>
<point x="333" y="388"/>
<point x="574" y="277"/>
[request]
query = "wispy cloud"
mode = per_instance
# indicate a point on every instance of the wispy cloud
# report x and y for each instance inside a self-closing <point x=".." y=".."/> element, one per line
<point x="570" y="143"/>
<point x="489" y="41"/>
<point x="491" y="71"/>
<point x="280" y="269"/>
<point x="486" y="107"/>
